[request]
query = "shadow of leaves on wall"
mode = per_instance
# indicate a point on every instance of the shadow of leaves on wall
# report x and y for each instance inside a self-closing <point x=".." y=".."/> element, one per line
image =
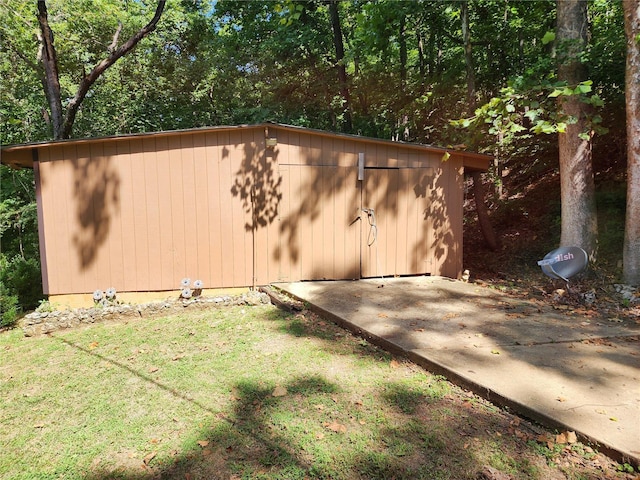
<point x="257" y="183"/>
<point x="97" y="198"/>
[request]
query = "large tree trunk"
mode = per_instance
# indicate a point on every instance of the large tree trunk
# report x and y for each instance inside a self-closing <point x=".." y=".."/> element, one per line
<point x="63" y="124"/>
<point x="341" y="67"/>
<point x="577" y="191"/>
<point x="631" y="249"/>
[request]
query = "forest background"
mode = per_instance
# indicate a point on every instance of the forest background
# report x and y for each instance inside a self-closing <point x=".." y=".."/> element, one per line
<point x="476" y="74"/>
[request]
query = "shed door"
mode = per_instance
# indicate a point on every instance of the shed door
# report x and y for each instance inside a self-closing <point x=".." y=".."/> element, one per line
<point x="396" y="226"/>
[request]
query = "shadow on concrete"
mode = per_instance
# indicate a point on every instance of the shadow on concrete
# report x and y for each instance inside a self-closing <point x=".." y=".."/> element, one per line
<point x="565" y="370"/>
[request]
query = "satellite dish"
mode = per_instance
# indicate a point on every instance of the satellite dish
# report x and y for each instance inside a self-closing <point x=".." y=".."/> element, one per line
<point x="564" y="262"/>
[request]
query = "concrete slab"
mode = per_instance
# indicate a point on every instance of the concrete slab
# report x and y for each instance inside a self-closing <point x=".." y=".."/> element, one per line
<point x="568" y="371"/>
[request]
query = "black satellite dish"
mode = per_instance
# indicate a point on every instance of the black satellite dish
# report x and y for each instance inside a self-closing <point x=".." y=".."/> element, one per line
<point x="564" y="262"/>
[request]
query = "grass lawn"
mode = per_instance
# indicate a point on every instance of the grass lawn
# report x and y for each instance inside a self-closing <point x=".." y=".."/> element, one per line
<point x="250" y="392"/>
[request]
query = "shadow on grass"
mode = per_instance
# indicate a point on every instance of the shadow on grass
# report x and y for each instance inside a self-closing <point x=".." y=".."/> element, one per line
<point x="267" y="437"/>
<point x="313" y="429"/>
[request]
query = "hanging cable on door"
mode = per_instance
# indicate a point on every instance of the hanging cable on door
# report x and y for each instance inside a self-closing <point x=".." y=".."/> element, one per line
<point x="373" y="226"/>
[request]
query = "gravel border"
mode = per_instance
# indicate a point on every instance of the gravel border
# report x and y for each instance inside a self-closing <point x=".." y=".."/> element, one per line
<point x="40" y="323"/>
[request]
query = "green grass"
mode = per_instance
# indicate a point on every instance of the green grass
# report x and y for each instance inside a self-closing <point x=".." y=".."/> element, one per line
<point x="192" y="396"/>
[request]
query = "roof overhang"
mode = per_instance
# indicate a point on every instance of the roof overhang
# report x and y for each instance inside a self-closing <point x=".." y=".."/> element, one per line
<point x="23" y="155"/>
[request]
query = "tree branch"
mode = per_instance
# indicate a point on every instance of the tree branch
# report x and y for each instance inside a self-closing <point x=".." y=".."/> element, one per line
<point x="88" y="80"/>
<point x="116" y="36"/>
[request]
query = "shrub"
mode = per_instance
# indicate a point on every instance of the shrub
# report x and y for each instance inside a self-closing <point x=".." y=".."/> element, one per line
<point x="21" y="278"/>
<point x="9" y="308"/>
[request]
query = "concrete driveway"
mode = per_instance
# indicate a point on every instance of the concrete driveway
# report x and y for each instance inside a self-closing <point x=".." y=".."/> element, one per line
<point x="560" y="368"/>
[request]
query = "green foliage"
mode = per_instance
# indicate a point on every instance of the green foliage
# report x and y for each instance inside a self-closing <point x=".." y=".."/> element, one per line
<point x="517" y="114"/>
<point x="626" y="467"/>
<point x="9" y="308"/>
<point x="19" y="261"/>
<point x="22" y="279"/>
<point x="233" y="62"/>
<point x="18" y="213"/>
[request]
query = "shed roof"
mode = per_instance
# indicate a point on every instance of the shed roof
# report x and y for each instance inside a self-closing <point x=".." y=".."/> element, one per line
<point x="23" y="155"/>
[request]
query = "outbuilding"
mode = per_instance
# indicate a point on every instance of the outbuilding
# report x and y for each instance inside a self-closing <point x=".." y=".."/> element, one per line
<point x="242" y="206"/>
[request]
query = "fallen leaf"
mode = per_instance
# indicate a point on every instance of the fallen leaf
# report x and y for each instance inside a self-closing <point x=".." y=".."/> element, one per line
<point x="495" y="352"/>
<point x="383" y="315"/>
<point x="149" y="457"/>
<point x="178" y="357"/>
<point x="336" y="427"/>
<point x="279" y="391"/>
<point x="203" y="443"/>
<point x="544" y="438"/>
<point x="566" y="437"/>
<point x="93" y="345"/>
<point x="39" y="425"/>
<point x="320" y="436"/>
<point x="520" y="434"/>
<point x="394" y="364"/>
<point x="613" y="419"/>
<point x="153" y="369"/>
<point x="561" y="399"/>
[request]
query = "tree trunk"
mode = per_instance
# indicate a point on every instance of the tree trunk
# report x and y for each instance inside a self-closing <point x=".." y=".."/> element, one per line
<point x="422" y="67"/>
<point x="631" y="249"/>
<point x="51" y="78"/>
<point x="579" y="225"/>
<point x="62" y="126"/>
<point x="483" y="213"/>
<point x="478" y="188"/>
<point x="340" y="66"/>
<point x="468" y="57"/>
<point x="403" y="51"/>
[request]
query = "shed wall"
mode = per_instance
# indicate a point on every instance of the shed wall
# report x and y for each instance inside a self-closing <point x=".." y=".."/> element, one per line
<point x="416" y="196"/>
<point x="141" y="213"/>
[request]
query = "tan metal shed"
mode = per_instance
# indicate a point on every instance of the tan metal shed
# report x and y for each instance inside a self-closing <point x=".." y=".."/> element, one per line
<point x="242" y="206"/>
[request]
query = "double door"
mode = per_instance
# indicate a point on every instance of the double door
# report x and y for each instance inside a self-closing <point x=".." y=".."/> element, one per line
<point x="333" y="226"/>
